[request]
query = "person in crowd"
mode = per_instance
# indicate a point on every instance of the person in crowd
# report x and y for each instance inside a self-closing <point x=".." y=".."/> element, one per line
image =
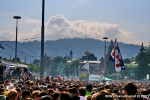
<point x="27" y="86"/>
<point x="104" y="95"/>
<point x="12" y="95"/>
<point x="130" y="89"/>
<point x="43" y="93"/>
<point x="19" y="93"/>
<point x="46" y="97"/>
<point x="54" y="86"/>
<point x="66" y="96"/>
<point x="60" y="89"/>
<point x="47" y="79"/>
<point x="55" y="96"/>
<point x="82" y="93"/>
<point x="50" y="92"/>
<point x="26" y="94"/>
<point x="88" y="89"/>
<point x="35" y="95"/>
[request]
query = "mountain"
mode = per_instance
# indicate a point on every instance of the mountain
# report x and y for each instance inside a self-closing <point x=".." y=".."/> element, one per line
<point x="31" y="49"/>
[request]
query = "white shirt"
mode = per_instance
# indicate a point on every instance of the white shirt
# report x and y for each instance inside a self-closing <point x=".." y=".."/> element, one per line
<point x="82" y="98"/>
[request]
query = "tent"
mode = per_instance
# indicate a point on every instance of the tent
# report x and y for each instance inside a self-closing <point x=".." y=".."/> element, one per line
<point x="106" y="79"/>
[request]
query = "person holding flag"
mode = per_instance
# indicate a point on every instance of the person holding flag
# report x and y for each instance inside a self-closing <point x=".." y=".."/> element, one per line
<point x="117" y="58"/>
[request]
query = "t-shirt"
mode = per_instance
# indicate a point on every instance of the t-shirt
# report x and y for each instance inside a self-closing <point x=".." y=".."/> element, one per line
<point x="82" y="98"/>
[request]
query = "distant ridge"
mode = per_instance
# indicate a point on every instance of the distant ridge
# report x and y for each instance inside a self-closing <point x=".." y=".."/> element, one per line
<point x="61" y="47"/>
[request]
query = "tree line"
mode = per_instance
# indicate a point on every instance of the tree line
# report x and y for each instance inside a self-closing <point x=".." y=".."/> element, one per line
<point x="136" y="67"/>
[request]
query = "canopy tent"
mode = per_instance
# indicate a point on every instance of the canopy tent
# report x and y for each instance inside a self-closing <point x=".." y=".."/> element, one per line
<point x="106" y="79"/>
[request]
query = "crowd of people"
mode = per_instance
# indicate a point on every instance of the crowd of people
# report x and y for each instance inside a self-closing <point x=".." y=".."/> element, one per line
<point x="50" y="88"/>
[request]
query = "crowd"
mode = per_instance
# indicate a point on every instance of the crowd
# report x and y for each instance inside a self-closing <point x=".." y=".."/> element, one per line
<point x="57" y="89"/>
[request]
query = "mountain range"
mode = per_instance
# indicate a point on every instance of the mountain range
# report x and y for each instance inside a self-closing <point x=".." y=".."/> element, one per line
<point x="31" y="50"/>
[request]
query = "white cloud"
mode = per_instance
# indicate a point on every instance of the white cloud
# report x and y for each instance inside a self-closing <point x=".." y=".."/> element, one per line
<point x="8" y="35"/>
<point x="32" y="21"/>
<point x="59" y="27"/>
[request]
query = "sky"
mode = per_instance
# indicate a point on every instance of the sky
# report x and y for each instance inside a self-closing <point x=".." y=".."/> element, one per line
<point x="126" y="20"/>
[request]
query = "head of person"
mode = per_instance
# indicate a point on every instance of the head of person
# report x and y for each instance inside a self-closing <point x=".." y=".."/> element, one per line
<point x="54" y="85"/>
<point x="26" y="94"/>
<point x="104" y="95"/>
<point x="50" y="92"/>
<point x="82" y="91"/>
<point x="130" y="89"/>
<point x="35" y="95"/>
<point x="12" y="94"/>
<point x="19" y="91"/>
<point x="46" y="97"/>
<point x="73" y="91"/>
<point x="65" y="96"/>
<point x="55" y="96"/>
<point x="60" y="89"/>
<point x="43" y="93"/>
<point x="27" y="84"/>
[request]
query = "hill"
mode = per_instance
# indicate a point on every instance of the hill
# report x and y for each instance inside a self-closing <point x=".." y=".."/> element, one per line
<point x="31" y="49"/>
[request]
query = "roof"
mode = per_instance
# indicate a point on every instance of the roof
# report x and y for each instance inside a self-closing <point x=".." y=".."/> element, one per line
<point x="98" y="62"/>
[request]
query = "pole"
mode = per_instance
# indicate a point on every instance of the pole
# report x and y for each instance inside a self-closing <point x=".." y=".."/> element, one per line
<point x="16" y="41"/>
<point x="42" y="42"/>
<point x="105" y="58"/>
<point x="16" y="17"/>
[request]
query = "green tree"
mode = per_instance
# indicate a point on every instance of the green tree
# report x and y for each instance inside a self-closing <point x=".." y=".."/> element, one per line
<point x="142" y="61"/>
<point x="127" y="61"/>
<point x="148" y="53"/>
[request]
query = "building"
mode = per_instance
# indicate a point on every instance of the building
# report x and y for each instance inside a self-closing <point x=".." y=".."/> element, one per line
<point x="36" y="62"/>
<point x="70" y="57"/>
<point x="90" y="57"/>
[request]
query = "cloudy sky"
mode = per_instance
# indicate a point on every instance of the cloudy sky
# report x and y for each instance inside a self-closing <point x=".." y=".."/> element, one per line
<point x="126" y="20"/>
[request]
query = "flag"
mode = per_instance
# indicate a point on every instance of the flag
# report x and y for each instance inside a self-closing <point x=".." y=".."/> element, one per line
<point x="117" y="58"/>
<point x="1" y="46"/>
<point x="86" y="66"/>
<point x="111" y="58"/>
